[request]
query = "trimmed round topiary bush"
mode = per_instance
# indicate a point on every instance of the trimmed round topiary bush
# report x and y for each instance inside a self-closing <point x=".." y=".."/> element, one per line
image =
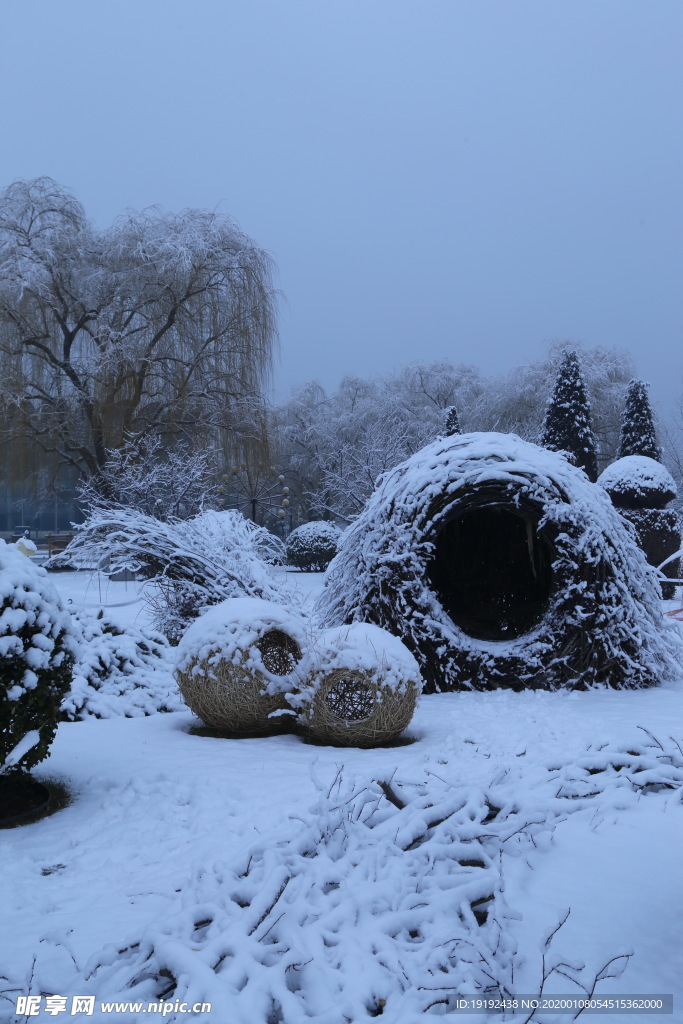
<point x="236" y="663"/>
<point x="640" y="487"/>
<point x="312" y="546"/>
<point x="360" y="687"/>
<point x="637" y="481"/>
<point x="37" y="650"/>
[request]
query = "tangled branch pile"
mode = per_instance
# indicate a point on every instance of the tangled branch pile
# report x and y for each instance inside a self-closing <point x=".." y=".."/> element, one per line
<point x="385" y="899"/>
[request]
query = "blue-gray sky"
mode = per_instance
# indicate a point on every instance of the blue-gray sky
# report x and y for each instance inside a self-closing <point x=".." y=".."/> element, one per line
<point x="463" y="179"/>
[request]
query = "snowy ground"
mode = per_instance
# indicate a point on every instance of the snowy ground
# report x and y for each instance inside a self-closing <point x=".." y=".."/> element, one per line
<point x="161" y="818"/>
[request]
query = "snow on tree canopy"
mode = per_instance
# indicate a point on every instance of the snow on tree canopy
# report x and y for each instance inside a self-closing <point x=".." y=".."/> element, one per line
<point x="636" y="481"/>
<point x="567" y="425"/>
<point x="638" y="433"/>
<point x="500" y="564"/>
<point x="37" y="648"/>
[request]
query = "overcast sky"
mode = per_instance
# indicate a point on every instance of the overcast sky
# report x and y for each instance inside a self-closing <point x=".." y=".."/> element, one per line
<point x="462" y="179"/>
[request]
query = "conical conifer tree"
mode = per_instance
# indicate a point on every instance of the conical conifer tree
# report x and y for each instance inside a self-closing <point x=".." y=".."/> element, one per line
<point x="638" y="434"/>
<point x="452" y="425"/>
<point x="567" y="425"/>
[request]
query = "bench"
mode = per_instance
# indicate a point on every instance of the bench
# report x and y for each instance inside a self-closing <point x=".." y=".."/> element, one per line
<point x="57" y="542"/>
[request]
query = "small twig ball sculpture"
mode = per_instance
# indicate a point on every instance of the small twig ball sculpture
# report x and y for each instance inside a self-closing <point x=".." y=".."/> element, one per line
<point x="640" y="487"/>
<point x="500" y="564"/>
<point x="359" y="689"/>
<point x="236" y="663"/>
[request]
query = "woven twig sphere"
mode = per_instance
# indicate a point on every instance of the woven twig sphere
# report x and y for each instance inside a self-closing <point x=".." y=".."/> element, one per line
<point x="349" y="709"/>
<point x="236" y="664"/>
<point x="361" y="687"/>
<point x="230" y="697"/>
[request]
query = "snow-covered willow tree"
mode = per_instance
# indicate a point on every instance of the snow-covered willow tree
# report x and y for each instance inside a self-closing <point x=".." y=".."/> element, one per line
<point x="160" y="324"/>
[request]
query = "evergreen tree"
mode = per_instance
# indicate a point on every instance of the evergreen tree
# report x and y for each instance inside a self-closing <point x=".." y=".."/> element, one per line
<point x="567" y="425"/>
<point x="452" y="425"/>
<point x="638" y="434"/>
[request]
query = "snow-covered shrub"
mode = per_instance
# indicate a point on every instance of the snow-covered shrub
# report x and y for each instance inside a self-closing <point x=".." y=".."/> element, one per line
<point x="636" y="481"/>
<point x="499" y="564"/>
<point x="640" y="487"/>
<point x="187" y="564"/>
<point x="359" y="687"/>
<point x="118" y="673"/>
<point x="312" y="546"/>
<point x="166" y="481"/>
<point x="36" y="659"/>
<point x="237" y="662"/>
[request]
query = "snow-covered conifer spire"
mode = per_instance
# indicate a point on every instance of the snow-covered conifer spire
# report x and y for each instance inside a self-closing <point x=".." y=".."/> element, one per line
<point x="452" y="423"/>
<point x="638" y="433"/>
<point x="567" y="425"/>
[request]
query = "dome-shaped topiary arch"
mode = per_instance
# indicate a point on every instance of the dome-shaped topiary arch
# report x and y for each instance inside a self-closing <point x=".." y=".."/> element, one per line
<point x="499" y="563"/>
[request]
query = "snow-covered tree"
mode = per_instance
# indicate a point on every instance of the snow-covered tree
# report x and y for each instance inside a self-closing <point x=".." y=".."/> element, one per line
<point x="452" y="423"/>
<point x="162" y="323"/>
<point x="334" y="447"/>
<point x="567" y="425"/>
<point x="143" y="474"/>
<point x="638" y="433"/>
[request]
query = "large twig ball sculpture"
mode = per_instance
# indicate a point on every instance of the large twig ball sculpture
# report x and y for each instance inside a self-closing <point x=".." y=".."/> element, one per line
<point x="360" y="687"/>
<point x="237" y="662"/>
<point x="500" y="564"/>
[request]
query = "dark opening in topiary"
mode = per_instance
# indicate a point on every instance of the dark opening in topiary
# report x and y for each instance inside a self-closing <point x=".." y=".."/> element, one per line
<point x="492" y="571"/>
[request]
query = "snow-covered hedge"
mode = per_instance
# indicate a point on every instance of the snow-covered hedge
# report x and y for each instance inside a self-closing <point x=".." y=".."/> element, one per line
<point x="640" y="487"/>
<point x="37" y="647"/>
<point x="602" y="622"/>
<point x="636" y="481"/>
<point x="188" y="564"/>
<point x="118" y="673"/>
<point x="312" y="546"/>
